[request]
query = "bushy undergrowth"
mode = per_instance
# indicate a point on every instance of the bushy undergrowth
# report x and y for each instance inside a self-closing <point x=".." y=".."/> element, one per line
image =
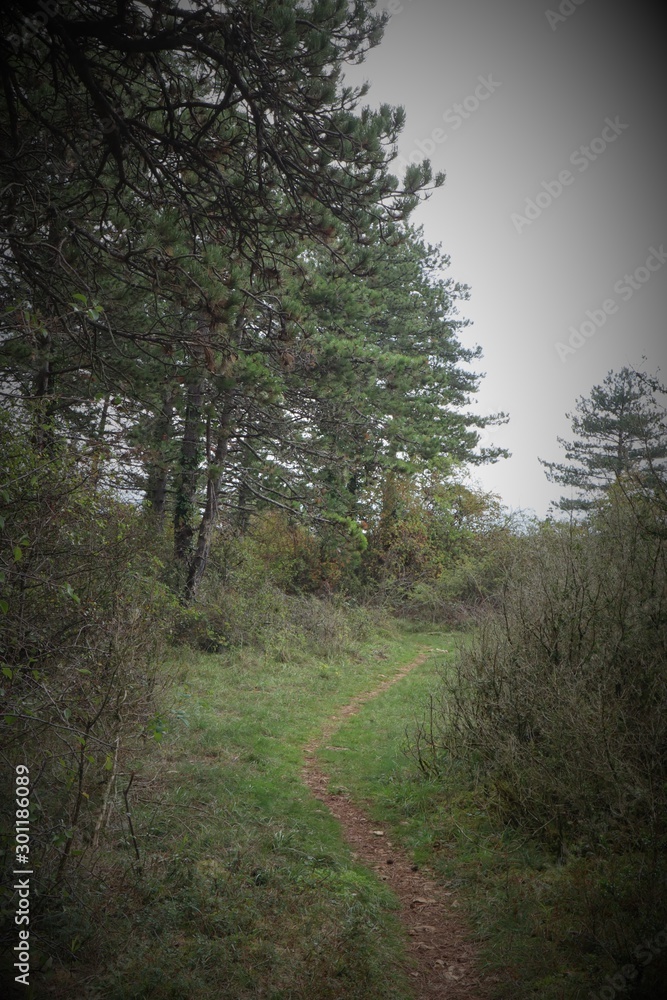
<point x="248" y="599"/>
<point x="243" y="887"/>
<point x="439" y="555"/>
<point x="557" y="709"/>
<point x="83" y="629"/>
<point x="88" y="618"/>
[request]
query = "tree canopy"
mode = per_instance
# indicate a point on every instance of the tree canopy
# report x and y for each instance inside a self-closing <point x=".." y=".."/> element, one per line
<point x="621" y="437"/>
<point x="210" y="283"/>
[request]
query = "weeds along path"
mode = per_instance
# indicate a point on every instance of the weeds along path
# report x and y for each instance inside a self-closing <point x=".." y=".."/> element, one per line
<point x="443" y="957"/>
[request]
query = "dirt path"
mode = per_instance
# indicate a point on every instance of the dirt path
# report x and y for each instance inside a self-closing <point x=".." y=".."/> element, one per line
<point x="443" y="958"/>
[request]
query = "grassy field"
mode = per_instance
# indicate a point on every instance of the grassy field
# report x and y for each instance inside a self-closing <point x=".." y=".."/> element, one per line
<point x="447" y="827"/>
<point x="243" y="887"/>
<point x="534" y="915"/>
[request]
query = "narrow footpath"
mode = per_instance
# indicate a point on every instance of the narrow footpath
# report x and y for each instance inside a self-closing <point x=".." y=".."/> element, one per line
<point x="442" y="956"/>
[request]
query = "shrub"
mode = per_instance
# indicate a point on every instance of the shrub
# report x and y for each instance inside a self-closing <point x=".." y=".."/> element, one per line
<point x="558" y="699"/>
<point x="557" y="708"/>
<point x="439" y="551"/>
<point x="267" y="589"/>
<point x="83" y="626"/>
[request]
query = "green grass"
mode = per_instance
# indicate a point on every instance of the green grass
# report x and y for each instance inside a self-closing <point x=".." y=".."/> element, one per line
<point x="444" y="824"/>
<point x="534" y="915"/>
<point x="246" y="889"/>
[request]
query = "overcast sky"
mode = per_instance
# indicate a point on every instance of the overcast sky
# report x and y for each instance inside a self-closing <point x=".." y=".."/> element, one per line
<point x="522" y="101"/>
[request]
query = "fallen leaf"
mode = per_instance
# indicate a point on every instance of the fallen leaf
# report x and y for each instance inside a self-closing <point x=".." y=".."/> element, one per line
<point x="455" y="972"/>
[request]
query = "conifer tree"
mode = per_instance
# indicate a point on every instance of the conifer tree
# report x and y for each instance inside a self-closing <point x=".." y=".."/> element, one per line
<point x="621" y="436"/>
<point x="206" y="257"/>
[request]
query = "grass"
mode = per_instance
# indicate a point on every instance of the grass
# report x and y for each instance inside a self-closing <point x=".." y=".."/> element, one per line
<point x="244" y="887"/>
<point x="534" y="915"/>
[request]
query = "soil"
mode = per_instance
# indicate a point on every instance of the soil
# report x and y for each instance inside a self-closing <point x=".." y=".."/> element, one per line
<point x="441" y="951"/>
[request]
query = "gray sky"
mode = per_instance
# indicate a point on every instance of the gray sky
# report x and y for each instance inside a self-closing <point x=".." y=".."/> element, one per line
<point x="502" y="97"/>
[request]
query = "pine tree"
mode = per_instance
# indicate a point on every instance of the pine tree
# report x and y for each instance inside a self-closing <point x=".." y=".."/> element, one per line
<point x="215" y="260"/>
<point x="621" y="438"/>
<point x="163" y="168"/>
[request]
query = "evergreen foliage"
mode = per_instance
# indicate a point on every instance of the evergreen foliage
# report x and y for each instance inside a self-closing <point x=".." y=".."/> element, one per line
<point x="208" y="271"/>
<point x="222" y="346"/>
<point x="621" y="438"/>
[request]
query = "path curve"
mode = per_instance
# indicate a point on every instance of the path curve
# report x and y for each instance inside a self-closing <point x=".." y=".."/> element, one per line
<point x="442" y="956"/>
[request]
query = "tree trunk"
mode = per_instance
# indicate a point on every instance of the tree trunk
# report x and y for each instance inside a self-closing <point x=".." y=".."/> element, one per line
<point x="42" y="390"/>
<point x="186" y="489"/>
<point x="207" y="524"/>
<point x="158" y="475"/>
<point x="243" y="507"/>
